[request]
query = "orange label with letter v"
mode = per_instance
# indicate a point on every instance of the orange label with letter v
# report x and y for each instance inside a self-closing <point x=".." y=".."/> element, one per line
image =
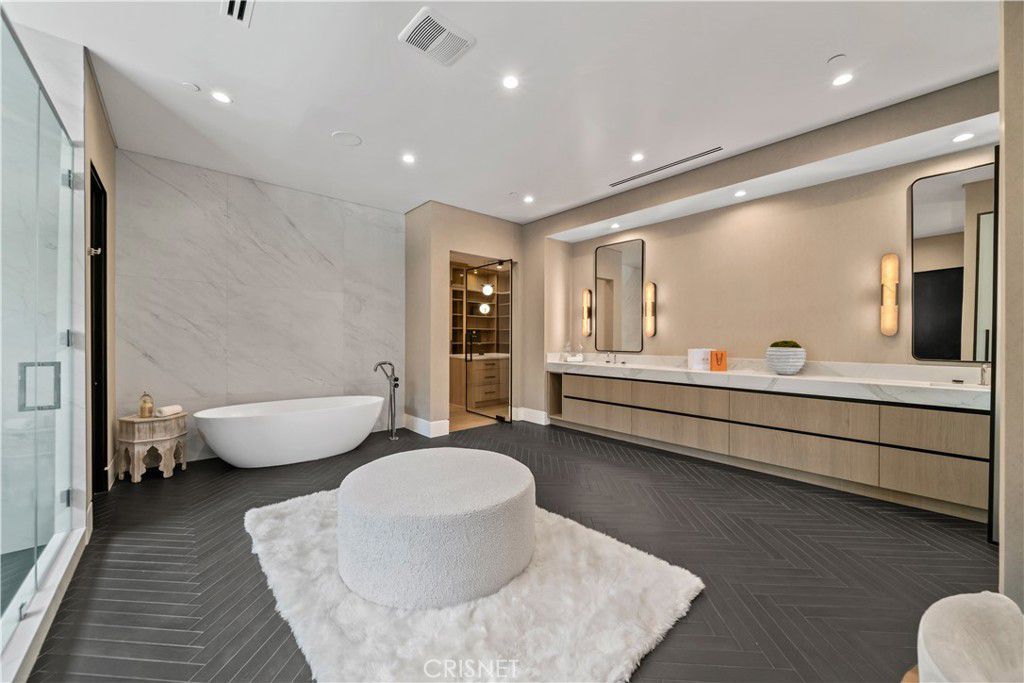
<point x="719" y="361"/>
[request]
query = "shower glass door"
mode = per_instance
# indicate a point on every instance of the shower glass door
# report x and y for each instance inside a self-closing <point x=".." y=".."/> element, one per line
<point x="488" y="346"/>
<point x="35" y="297"/>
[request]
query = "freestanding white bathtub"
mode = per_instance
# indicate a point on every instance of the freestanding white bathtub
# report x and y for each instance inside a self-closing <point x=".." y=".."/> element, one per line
<point x="283" y="432"/>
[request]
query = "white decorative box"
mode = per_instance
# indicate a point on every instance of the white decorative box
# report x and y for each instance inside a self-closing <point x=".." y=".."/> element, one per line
<point x="698" y="359"/>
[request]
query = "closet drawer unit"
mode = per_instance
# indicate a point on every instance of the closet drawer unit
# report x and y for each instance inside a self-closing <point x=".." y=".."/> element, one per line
<point x="694" y="432"/>
<point x="481" y="365"/>
<point x="601" y="415"/>
<point x="487" y="376"/>
<point x="487" y="392"/>
<point x="681" y="399"/>
<point x="944" y="431"/>
<point x="848" y="460"/>
<point x="942" y="477"/>
<point x="818" y="416"/>
<point x="597" y="388"/>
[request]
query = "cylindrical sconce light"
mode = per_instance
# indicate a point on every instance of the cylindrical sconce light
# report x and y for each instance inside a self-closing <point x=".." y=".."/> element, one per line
<point x="588" y="323"/>
<point x="889" y="321"/>
<point x="650" y="306"/>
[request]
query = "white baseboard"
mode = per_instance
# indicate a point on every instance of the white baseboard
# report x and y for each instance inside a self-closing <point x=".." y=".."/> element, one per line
<point x="530" y="415"/>
<point x="425" y="427"/>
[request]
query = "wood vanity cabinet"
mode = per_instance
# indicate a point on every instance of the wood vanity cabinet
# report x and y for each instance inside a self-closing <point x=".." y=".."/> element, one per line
<point x="918" y="452"/>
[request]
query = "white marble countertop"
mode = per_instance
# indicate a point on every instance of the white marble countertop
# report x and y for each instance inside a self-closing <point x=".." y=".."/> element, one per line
<point x="925" y="385"/>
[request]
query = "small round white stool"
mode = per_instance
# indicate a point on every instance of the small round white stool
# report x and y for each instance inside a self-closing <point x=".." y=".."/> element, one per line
<point x="971" y="637"/>
<point x="435" y="527"/>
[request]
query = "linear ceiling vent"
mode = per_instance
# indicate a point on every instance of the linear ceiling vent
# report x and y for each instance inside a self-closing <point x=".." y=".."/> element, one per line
<point x="692" y="157"/>
<point x="437" y="37"/>
<point x="238" y="10"/>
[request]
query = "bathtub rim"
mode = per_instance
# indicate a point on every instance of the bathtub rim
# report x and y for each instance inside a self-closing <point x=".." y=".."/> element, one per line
<point x="207" y="413"/>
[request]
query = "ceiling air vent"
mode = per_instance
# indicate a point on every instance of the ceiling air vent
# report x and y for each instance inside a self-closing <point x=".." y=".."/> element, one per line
<point x="238" y="10"/>
<point x="692" y="157"/>
<point x="437" y="37"/>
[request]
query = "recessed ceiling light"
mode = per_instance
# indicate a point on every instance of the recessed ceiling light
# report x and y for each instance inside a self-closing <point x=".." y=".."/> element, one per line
<point x="345" y="138"/>
<point x="842" y="79"/>
<point x="221" y="96"/>
<point x="408" y="158"/>
<point x="614" y="226"/>
<point x="963" y="137"/>
<point x="188" y="85"/>
<point x="510" y="82"/>
<point x="637" y="156"/>
<point x="528" y="199"/>
<point x="739" y="193"/>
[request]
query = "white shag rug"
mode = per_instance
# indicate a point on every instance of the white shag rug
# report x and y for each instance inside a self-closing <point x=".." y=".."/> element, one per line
<point x="587" y="608"/>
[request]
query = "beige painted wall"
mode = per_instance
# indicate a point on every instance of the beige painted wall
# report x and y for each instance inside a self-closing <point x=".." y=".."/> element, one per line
<point x="100" y="153"/>
<point x="802" y="265"/>
<point x="1010" y="334"/>
<point x="433" y="231"/>
<point x="938" y="252"/>
<point x="951" y="105"/>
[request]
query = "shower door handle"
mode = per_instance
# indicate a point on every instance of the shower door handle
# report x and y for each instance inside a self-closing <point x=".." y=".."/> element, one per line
<point x="23" y="367"/>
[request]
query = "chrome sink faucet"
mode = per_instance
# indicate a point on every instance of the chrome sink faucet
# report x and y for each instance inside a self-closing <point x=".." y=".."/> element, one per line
<point x="609" y="357"/>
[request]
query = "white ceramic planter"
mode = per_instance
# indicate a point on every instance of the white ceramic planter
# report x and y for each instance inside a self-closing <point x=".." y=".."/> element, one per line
<point x="785" y="361"/>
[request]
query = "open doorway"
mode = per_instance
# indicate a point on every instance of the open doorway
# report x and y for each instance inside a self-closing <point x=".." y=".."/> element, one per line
<point x="480" y="376"/>
<point x="98" y="329"/>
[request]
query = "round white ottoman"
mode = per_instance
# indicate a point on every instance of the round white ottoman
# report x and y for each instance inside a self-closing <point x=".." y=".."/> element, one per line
<point x="971" y="637"/>
<point x="435" y="527"/>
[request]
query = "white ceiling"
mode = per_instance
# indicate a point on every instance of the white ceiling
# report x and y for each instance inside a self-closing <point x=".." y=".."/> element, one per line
<point x="598" y="82"/>
<point x="939" y="201"/>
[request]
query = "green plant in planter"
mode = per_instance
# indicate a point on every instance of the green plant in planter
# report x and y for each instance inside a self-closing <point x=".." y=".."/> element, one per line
<point x="785" y="344"/>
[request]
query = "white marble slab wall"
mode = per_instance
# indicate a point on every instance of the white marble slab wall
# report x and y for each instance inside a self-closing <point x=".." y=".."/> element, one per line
<point x="231" y="290"/>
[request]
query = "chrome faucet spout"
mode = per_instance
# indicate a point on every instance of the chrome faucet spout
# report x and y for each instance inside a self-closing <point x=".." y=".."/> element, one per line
<point x="388" y="368"/>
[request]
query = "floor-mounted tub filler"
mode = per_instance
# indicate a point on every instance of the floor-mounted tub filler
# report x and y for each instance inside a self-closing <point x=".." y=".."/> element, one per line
<point x="283" y="432"/>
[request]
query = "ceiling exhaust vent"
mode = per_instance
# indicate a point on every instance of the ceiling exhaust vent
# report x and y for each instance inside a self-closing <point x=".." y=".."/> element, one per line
<point x="238" y="10"/>
<point x="692" y="157"/>
<point x="437" y="37"/>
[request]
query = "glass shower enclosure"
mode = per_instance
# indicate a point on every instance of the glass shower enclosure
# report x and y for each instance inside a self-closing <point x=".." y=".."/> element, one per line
<point x="36" y="187"/>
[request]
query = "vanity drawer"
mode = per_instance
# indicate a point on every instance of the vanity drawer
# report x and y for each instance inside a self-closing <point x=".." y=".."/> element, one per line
<point x="694" y="432"/>
<point x="819" y="416"/>
<point x="848" y="460"/>
<point x="681" y="399"/>
<point x="601" y="415"/>
<point x="944" y="431"/>
<point x="942" y="477"/>
<point x="597" y="388"/>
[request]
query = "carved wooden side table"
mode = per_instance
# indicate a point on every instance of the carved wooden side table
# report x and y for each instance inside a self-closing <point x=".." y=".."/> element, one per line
<point x="150" y="442"/>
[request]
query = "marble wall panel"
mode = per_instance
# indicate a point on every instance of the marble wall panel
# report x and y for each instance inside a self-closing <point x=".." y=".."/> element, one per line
<point x="231" y="290"/>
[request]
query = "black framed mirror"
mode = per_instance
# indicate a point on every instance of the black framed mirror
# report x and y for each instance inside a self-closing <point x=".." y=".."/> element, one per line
<point x="618" y="297"/>
<point x="953" y="242"/>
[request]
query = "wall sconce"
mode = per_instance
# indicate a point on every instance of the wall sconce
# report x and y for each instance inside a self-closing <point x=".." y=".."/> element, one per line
<point x="650" y="308"/>
<point x="588" y="311"/>
<point x="889" y="321"/>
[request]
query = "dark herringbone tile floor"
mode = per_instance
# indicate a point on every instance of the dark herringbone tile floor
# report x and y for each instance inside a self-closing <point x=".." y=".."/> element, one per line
<point x="803" y="583"/>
